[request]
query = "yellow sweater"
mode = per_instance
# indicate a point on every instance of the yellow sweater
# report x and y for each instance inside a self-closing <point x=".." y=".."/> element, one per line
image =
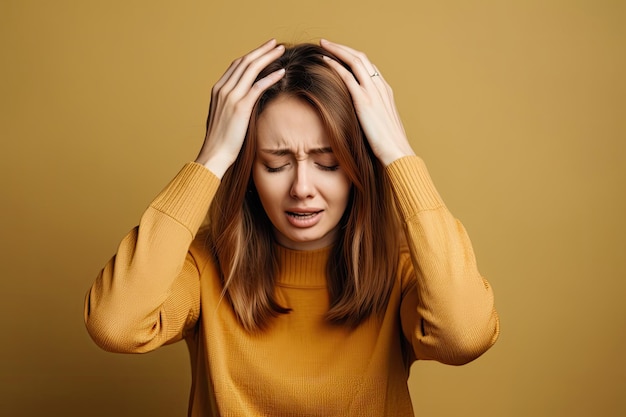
<point x="162" y="287"/>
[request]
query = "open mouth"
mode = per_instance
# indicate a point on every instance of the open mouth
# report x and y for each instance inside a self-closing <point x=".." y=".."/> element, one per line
<point x="303" y="216"/>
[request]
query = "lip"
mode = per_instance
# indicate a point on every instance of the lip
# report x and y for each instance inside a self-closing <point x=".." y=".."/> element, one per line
<point x="303" y="218"/>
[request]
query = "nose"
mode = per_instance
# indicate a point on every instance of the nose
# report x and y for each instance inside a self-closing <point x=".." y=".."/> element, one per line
<point x="302" y="185"/>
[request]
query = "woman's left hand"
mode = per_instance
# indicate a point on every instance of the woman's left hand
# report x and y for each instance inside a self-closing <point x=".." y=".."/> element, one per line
<point x="373" y="102"/>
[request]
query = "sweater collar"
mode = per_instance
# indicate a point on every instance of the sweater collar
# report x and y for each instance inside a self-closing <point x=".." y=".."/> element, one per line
<point x="302" y="268"/>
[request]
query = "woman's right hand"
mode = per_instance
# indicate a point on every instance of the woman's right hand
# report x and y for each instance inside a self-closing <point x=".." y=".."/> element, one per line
<point x="232" y="100"/>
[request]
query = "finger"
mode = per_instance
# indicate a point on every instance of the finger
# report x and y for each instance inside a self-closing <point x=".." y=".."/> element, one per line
<point x="254" y="62"/>
<point x="261" y="49"/>
<point x="345" y="48"/>
<point x="253" y="54"/>
<point x="387" y="93"/>
<point x="389" y="99"/>
<point x="360" y="93"/>
<point x="377" y="74"/>
<point x="358" y="62"/>
<point x="237" y="86"/>
<point x="259" y="87"/>
<point x="353" y="85"/>
<point x="255" y="67"/>
<point x="232" y="68"/>
<point x="218" y="86"/>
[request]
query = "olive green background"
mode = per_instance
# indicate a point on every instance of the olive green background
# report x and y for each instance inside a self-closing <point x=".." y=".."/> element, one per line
<point x="517" y="107"/>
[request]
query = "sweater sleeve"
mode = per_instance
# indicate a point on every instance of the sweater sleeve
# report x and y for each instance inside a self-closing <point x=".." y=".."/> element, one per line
<point x="148" y="294"/>
<point x="447" y="310"/>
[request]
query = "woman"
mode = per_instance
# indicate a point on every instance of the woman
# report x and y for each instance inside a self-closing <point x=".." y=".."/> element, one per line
<point x="328" y="262"/>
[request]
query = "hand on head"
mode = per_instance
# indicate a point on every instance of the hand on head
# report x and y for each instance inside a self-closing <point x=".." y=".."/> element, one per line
<point x="232" y="100"/>
<point x="373" y="102"/>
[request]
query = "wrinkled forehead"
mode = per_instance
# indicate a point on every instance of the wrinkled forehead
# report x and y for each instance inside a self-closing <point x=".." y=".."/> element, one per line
<point x="290" y="123"/>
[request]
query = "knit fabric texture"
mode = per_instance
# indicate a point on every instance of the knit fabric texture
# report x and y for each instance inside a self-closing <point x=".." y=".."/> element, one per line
<point x="162" y="286"/>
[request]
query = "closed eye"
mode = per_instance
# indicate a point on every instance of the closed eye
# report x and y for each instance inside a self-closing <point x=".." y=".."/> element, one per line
<point x="275" y="169"/>
<point x="328" y="167"/>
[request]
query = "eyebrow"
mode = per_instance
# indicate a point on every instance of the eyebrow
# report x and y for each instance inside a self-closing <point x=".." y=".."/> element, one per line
<point x="285" y="151"/>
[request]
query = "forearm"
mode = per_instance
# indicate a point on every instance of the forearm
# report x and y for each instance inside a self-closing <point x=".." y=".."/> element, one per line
<point x="130" y="306"/>
<point x="450" y="315"/>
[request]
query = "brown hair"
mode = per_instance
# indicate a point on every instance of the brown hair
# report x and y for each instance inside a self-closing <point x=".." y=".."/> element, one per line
<point x="362" y="265"/>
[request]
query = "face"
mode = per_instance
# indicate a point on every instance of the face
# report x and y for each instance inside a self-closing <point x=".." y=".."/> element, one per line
<point x="302" y="188"/>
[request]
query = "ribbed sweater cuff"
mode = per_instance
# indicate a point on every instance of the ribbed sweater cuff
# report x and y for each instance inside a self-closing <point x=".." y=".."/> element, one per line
<point x="188" y="196"/>
<point x="413" y="188"/>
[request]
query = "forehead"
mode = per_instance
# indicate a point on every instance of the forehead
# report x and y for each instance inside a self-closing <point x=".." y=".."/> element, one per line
<point x="290" y="123"/>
